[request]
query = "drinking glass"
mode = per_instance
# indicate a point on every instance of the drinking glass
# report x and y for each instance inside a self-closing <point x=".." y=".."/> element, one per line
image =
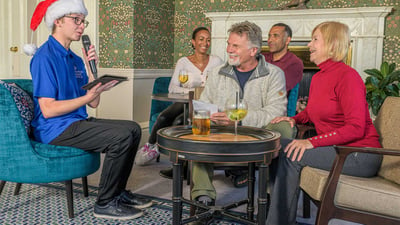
<point x="201" y="122"/>
<point x="236" y="109"/>
<point x="183" y="77"/>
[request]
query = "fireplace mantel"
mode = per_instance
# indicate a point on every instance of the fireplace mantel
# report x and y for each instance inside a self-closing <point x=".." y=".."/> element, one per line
<point x="366" y="24"/>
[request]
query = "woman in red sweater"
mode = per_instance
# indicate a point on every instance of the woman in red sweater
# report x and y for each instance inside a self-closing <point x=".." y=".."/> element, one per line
<point x="339" y="111"/>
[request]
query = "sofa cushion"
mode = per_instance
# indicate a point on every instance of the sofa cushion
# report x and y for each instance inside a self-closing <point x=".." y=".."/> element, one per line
<point x="370" y="194"/>
<point x="387" y="124"/>
<point x="24" y="103"/>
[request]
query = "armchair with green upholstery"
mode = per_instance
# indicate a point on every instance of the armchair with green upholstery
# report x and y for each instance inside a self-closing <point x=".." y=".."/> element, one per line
<point x="23" y="160"/>
<point x="161" y="85"/>
<point x="292" y="100"/>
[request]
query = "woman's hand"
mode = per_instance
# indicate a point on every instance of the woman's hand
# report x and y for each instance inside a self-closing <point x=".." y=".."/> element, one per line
<point x="284" y="118"/>
<point x="296" y="148"/>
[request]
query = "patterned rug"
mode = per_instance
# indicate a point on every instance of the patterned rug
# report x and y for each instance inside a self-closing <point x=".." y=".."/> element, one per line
<point x="46" y="204"/>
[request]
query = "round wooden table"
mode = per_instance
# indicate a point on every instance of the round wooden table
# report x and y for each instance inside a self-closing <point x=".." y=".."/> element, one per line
<point x="251" y="145"/>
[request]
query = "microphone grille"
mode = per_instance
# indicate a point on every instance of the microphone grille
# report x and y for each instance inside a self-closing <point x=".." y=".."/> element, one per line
<point x="85" y="39"/>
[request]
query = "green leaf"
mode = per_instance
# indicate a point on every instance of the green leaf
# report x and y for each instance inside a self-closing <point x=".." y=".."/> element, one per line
<point x="394" y="76"/>
<point x="380" y="84"/>
<point x="390" y="91"/>
<point x="395" y="90"/>
<point x="374" y="81"/>
<point x="374" y="72"/>
<point x="384" y="69"/>
<point x="392" y="67"/>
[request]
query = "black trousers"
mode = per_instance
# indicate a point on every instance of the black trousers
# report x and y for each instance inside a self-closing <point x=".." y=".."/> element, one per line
<point x="118" y="139"/>
<point x="166" y="119"/>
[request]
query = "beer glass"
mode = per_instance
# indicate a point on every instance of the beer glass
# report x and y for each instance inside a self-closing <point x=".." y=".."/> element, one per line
<point x="201" y="122"/>
<point x="183" y="77"/>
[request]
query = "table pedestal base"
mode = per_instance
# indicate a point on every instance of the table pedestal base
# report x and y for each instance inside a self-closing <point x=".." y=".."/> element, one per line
<point x="223" y="211"/>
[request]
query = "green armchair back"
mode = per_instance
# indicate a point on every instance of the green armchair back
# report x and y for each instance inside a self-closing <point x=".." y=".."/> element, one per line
<point x="161" y="85"/>
<point x="23" y="160"/>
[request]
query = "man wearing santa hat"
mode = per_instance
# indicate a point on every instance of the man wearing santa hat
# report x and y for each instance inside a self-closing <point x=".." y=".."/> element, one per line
<point x="61" y="118"/>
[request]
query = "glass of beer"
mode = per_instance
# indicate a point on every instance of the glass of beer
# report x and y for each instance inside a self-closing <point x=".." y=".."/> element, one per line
<point x="201" y="122"/>
<point x="183" y="77"/>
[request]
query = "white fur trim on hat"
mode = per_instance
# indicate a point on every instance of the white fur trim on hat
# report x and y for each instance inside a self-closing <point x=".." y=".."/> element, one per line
<point x="30" y="49"/>
<point x="61" y="8"/>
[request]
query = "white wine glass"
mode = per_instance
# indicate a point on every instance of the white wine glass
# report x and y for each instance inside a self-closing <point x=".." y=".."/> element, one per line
<point x="183" y="77"/>
<point x="236" y="109"/>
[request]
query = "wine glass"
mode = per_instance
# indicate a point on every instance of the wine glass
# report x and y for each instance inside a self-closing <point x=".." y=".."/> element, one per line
<point x="183" y="77"/>
<point x="236" y="109"/>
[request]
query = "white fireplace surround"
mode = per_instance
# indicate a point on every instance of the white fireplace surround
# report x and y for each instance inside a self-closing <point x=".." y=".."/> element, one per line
<point x="366" y="24"/>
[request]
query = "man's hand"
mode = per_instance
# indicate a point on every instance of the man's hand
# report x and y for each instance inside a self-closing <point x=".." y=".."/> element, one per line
<point x="91" y="55"/>
<point x="99" y="88"/>
<point x="220" y="118"/>
<point x="296" y="148"/>
<point x="94" y="92"/>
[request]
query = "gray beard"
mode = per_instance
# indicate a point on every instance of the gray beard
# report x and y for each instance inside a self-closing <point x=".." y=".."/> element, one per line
<point x="233" y="63"/>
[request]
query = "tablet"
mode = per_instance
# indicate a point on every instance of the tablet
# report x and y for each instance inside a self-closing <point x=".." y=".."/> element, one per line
<point x="104" y="79"/>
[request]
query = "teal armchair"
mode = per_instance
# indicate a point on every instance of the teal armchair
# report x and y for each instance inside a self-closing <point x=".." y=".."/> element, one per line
<point x="161" y="85"/>
<point x="23" y="160"/>
<point x="292" y="100"/>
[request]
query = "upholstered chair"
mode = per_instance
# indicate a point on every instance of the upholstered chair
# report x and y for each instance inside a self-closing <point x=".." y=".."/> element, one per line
<point x="161" y="85"/>
<point x="374" y="200"/>
<point x="23" y="160"/>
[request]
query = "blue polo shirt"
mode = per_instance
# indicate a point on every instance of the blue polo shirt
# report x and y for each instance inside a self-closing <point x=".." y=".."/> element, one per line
<point x="56" y="73"/>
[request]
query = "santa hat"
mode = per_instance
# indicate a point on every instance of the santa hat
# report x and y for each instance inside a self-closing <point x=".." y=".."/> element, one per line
<point x="52" y="10"/>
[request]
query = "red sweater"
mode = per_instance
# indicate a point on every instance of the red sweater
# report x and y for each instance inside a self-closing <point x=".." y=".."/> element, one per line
<point x="291" y="65"/>
<point x="338" y="108"/>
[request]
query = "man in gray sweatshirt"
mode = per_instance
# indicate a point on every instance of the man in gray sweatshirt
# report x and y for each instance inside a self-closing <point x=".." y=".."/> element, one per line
<point x="260" y="84"/>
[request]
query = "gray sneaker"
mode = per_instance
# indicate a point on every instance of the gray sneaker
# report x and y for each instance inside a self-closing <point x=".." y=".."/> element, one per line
<point x="146" y="154"/>
<point x="116" y="210"/>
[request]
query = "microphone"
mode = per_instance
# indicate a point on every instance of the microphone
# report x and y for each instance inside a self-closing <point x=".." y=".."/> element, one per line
<point x="86" y="44"/>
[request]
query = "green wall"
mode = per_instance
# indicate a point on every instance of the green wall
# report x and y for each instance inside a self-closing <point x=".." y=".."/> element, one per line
<point x="154" y="34"/>
<point x="136" y="34"/>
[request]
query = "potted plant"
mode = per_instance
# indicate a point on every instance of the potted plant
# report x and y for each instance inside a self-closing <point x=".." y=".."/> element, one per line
<point x="380" y="84"/>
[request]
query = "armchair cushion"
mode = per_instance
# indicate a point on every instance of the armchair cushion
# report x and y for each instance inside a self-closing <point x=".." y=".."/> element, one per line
<point x="23" y="102"/>
<point x="370" y="194"/>
<point x="387" y="125"/>
<point x="54" y="151"/>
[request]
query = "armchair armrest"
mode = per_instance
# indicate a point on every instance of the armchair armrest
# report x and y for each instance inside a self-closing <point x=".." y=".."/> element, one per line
<point x="302" y="129"/>
<point x="328" y="205"/>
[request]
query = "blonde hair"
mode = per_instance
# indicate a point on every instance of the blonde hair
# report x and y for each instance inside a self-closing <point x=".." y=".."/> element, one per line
<point x="336" y="36"/>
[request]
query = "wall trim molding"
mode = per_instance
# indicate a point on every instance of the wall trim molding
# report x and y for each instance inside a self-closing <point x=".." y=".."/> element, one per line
<point x="152" y="73"/>
<point x="137" y="73"/>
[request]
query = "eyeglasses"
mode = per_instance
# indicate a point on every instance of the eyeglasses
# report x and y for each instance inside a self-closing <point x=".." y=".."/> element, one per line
<point x="78" y="21"/>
